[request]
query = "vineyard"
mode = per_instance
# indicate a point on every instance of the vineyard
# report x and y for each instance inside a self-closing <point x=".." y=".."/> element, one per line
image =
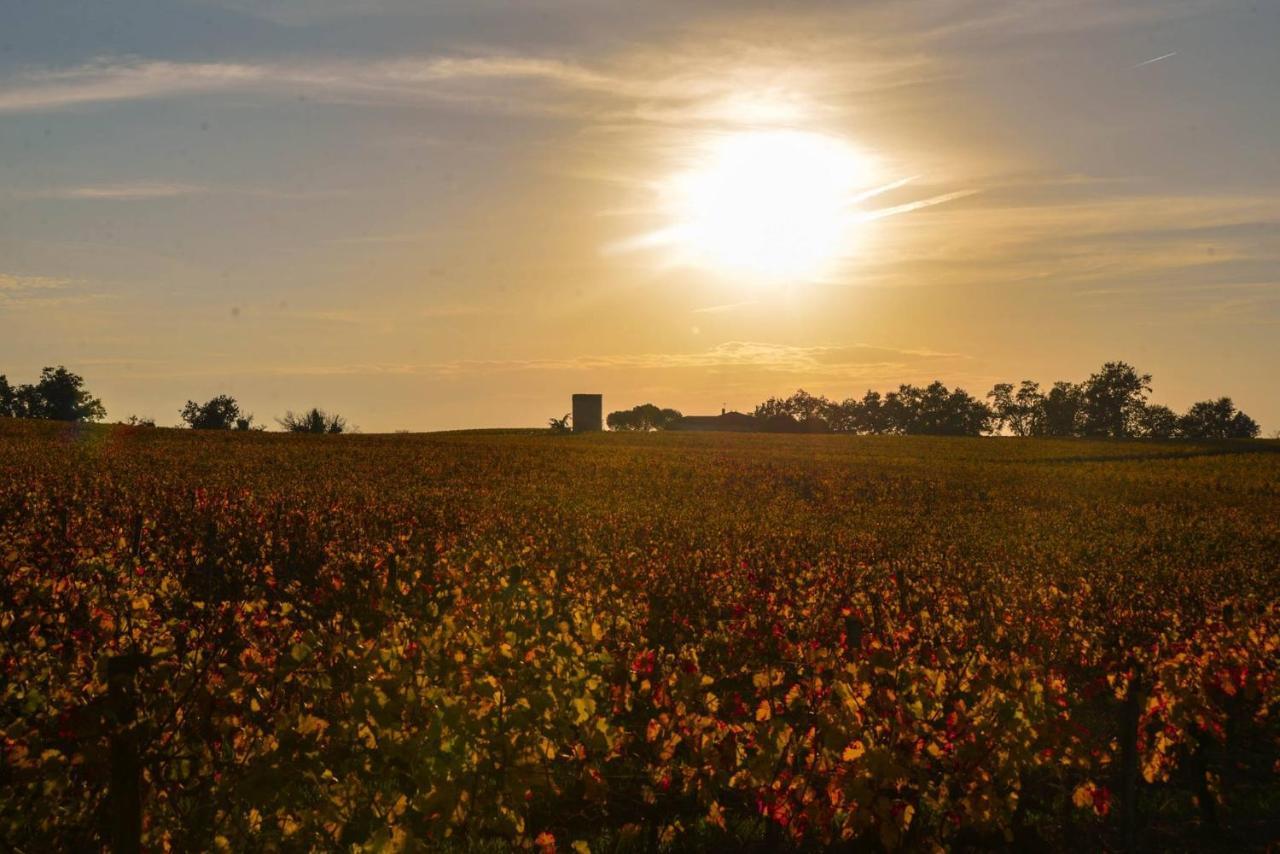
<point x="635" y="642"/>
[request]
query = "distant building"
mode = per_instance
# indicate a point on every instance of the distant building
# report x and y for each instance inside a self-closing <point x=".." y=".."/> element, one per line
<point x="733" y="422"/>
<point x="588" y="413"/>
<point x="737" y="422"/>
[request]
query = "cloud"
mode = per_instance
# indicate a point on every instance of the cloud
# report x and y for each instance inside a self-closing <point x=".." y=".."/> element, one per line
<point x="43" y="292"/>
<point x="675" y="87"/>
<point x="102" y="82"/>
<point x="11" y="283"/>
<point x="802" y="363"/>
<point x="117" y="192"/>
<point x="979" y="20"/>
<point x="1012" y="235"/>
<point x="105" y="82"/>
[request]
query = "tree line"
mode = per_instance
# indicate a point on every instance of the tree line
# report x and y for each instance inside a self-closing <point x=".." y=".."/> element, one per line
<point x="1111" y="403"/>
<point x="643" y="417"/>
<point x="60" y="395"/>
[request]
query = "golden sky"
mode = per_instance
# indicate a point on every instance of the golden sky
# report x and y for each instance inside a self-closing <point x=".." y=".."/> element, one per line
<point x="428" y="216"/>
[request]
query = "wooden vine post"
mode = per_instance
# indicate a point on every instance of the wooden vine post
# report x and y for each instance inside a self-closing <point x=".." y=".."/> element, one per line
<point x="124" y="797"/>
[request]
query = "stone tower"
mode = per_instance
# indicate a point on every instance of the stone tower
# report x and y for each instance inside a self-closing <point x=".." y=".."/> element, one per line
<point x="588" y="412"/>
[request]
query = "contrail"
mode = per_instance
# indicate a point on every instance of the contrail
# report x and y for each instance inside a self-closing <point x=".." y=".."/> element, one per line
<point x="875" y="191"/>
<point x="1157" y="59"/>
<point x="915" y="206"/>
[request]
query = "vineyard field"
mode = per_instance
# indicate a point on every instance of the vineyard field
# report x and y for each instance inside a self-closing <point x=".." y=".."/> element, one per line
<point x="635" y="642"/>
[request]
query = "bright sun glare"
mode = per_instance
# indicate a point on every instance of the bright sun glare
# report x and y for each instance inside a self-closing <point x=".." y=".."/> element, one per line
<point x="767" y="205"/>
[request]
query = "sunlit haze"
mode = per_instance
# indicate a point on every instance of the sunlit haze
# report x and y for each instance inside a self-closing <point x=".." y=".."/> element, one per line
<point x="765" y="205"/>
<point x="457" y="214"/>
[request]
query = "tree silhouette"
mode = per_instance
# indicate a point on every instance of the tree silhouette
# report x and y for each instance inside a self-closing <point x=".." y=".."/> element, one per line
<point x="1020" y="412"/>
<point x="1158" y="422"/>
<point x="1217" y="419"/>
<point x="1113" y="400"/>
<point x="1112" y="403"/>
<point x="644" y="417"/>
<point x="867" y="415"/>
<point x="8" y="399"/>
<point x="1063" y="407"/>
<point x="60" y="395"/>
<point x="932" y="409"/>
<point x="800" y="406"/>
<point x="219" y="413"/>
<point x="937" y="411"/>
<point x="313" y="421"/>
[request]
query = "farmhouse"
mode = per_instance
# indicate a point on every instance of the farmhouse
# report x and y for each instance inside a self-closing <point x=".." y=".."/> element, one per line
<point x="734" y="422"/>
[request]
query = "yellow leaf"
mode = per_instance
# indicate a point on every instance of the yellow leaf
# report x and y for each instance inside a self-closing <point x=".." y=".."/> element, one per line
<point x="764" y="711"/>
<point x="853" y="751"/>
<point x="310" y="724"/>
<point x="1083" y="796"/>
<point x="581" y="846"/>
<point x="585" y="707"/>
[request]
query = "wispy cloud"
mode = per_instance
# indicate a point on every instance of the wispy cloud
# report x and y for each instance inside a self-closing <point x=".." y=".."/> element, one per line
<point x="816" y="362"/>
<point x="152" y="190"/>
<point x="20" y="291"/>
<point x="116" y="192"/>
<point x="102" y="82"/>
<point x="105" y="82"/>
<point x="11" y="283"/>
<point x="1122" y="240"/>
<point x="688" y="88"/>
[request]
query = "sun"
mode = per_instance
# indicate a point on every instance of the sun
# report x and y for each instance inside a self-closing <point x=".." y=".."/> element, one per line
<point x="766" y="205"/>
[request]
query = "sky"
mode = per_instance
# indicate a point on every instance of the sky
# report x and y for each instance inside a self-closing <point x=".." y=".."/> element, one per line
<point x="452" y="214"/>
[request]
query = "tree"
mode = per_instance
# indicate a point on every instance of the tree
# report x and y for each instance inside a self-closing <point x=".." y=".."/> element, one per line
<point x="60" y="395"/>
<point x="561" y="425"/>
<point x="1020" y="412"/>
<point x="1004" y="409"/>
<point x="1113" y="401"/>
<point x="314" y="420"/>
<point x="8" y="399"/>
<point x="895" y="412"/>
<point x="1062" y="410"/>
<point x="801" y="407"/>
<point x="220" y="413"/>
<point x="935" y="410"/>
<point x="1243" y="427"/>
<point x="870" y="415"/>
<point x="1031" y="404"/>
<point x="644" y="417"/>
<point x="1217" y="419"/>
<point x="1158" y="422"/>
